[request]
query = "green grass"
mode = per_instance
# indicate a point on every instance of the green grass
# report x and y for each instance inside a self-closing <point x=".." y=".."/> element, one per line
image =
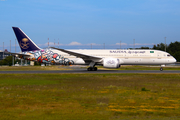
<point x="89" y="96"/>
<point x="141" y="67"/>
<point x="58" y="67"/>
<point x="32" y="68"/>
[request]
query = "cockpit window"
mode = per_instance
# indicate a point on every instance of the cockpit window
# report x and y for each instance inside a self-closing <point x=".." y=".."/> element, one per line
<point x="168" y="55"/>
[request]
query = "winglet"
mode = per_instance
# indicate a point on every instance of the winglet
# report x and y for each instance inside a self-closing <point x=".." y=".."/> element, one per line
<point x="25" y="43"/>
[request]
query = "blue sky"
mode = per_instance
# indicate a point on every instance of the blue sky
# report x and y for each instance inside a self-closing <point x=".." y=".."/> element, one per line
<point x="80" y="23"/>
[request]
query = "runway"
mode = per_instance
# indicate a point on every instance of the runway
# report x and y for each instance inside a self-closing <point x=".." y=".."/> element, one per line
<point x="85" y="71"/>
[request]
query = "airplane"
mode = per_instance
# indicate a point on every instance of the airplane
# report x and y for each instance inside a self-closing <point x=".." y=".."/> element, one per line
<point x="106" y="58"/>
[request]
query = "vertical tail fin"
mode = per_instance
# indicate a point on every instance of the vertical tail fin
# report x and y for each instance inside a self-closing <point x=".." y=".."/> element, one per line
<point x="25" y="43"/>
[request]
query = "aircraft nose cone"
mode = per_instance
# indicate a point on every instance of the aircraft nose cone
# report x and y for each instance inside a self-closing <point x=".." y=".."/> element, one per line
<point x="174" y="60"/>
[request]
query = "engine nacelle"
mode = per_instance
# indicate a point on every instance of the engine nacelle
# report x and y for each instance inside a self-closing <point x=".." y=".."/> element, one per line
<point x="111" y="63"/>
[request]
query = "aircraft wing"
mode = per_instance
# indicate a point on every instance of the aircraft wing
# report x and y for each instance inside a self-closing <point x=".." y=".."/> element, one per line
<point x="81" y="55"/>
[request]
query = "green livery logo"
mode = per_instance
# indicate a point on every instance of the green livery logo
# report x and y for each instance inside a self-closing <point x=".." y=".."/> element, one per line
<point x="151" y="51"/>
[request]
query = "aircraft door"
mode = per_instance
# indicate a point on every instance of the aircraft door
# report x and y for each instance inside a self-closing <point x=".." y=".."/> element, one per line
<point x="160" y="58"/>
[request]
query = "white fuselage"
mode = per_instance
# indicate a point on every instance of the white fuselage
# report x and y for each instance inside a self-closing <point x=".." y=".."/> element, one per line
<point x="107" y="58"/>
<point x="126" y="57"/>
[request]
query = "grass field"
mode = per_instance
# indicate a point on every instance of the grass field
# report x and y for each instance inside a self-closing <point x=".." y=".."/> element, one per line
<point x="31" y="68"/>
<point x="142" y="67"/>
<point x="89" y="96"/>
<point x="58" y="67"/>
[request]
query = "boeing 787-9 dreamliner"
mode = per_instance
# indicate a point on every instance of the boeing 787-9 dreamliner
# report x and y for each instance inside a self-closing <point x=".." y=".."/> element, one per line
<point x="106" y="58"/>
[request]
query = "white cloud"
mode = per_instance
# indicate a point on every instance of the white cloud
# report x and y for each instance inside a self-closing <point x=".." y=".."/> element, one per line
<point x="121" y="43"/>
<point x="142" y="44"/>
<point x="56" y="44"/>
<point x="50" y="44"/>
<point x="74" y="43"/>
<point x="94" y="44"/>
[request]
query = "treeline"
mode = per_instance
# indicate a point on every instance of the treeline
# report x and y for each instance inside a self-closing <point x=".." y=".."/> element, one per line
<point x="172" y="48"/>
<point x="8" y="61"/>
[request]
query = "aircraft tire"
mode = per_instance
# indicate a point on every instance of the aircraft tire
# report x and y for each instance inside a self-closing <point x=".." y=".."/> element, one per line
<point x="95" y="68"/>
<point x="89" y="69"/>
<point x="161" y="69"/>
<point x="92" y="69"/>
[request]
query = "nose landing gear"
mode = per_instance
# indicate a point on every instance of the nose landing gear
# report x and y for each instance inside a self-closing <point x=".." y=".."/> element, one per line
<point x="161" y="69"/>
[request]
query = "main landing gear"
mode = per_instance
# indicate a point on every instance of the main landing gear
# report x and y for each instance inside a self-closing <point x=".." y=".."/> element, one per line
<point x="92" y="68"/>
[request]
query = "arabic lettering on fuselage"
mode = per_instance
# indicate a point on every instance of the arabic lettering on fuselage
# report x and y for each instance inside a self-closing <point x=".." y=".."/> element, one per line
<point x="129" y="52"/>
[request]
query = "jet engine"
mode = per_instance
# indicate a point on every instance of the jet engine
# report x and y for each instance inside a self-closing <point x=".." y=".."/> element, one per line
<point x="111" y="63"/>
